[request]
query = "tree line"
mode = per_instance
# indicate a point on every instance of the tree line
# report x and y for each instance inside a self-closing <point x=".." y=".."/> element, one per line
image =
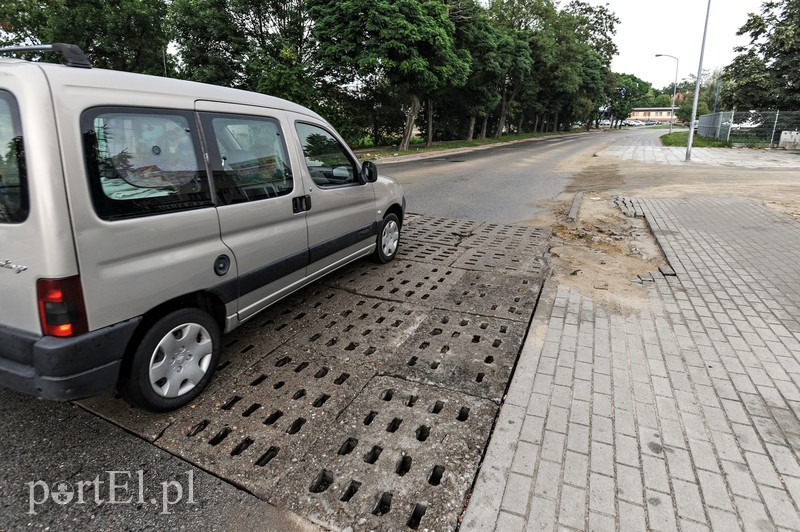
<point x="378" y="69"/>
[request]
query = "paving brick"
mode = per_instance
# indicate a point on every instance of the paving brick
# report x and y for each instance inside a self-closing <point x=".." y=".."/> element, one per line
<point x="553" y="446"/>
<point x="602" y="458"/>
<point x="689" y="503"/>
<point x="631" y="517"/>
<point x="573" y="507"/>
<point x="661" y="511"/>
<point x="576" y="469"/>
<point x="517" y="493"/>
<point x="542" y="515"/>
<point x="629" y="484"/>
<point x="780" y="507"/>
<point x="601" y="523"/>
<point x="739" y="479"/>
<point x="548" y="479"/>
<point x="753" y="513"/>
<point x="507" y="521"/>
<point x="578" y="438"/>
<point x="601" y="493"/>
<point x="524" y="461"/>
<point x="655" y="473"/>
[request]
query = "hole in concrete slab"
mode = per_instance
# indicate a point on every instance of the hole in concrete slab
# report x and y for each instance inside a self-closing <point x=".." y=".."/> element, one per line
<point x="476" y="339"/>
<point x="296" y="426"/>
<point x="197" y="429"/>
<point x="258" y="380"/>
<point x="341" y="378"/>
<point x="370" y="351"/>
<point x="394" y="425"/>
<point x="412" y="361"/>
<point x="321" y="373"/>
<point x="496" y="343"/>
<point x="436" y="332"/>
<point x="403" y="466"/>
<point x="445" y="320"/>
<point x="504" y="328"/>
<point x="321" y="400"/>
<point x="489" y="359"/>
<point x="278" y="385"/>
<point x="348" y="446"/>
<point x="223" y="365"/>
<point x="252" y="408"/>
<point x="239" y="449"/>
<point x="246" y="349"/>
<point x="416" y="516"/>
<point x="412" y="399"/>
<point x="423" y="432"/>
<point x="479" y="377"/>
<point x="372" y="456"/>
<point x="282" y="362"/>
<point x="299" y="394"/>
<point x="301" y="367"/>
<point x="436" y="475"/>
<point x="436" y="407"/>
<point x="463" y="414"/>
<point x="424" y="345"/>
<point x="271" y="453"/>
<point x="384" y="505"/>
<point x="351" y="490"/>
<point x="435" y="364"/>
<point x="216" y="440"/>
<point x="232" y="401"/>
<point x="485" y="325"/>
<point x="351" y="346"/>
<point x="275" y="416"/>
<point x="387" y="395"/>
<point x="445" y="349"/>
<point x="322" y="482"/>
<point x="370" y="417"/>
<point x="331" y="342"/>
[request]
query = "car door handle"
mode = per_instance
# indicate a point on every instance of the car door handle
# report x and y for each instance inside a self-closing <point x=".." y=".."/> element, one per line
<point x="301" y="204"/>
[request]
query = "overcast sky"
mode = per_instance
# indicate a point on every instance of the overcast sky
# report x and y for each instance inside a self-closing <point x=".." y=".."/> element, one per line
<point x="675" y="27"/>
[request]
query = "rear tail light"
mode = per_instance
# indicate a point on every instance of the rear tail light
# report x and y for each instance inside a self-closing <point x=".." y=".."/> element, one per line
<point x="61" y="308"/>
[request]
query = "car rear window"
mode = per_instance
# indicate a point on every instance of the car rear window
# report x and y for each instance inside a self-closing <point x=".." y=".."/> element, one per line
<point x="143" y="162"/>
<point x="13" y="178"/>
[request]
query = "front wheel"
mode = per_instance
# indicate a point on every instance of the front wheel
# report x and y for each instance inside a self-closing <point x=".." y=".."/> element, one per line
<point x="388" y="239"/>
<point x="173" y="362"/>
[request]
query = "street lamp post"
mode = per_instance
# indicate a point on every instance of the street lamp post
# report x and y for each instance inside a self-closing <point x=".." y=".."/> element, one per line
<point x="697" y="87"/>
<point x="674" y="88"/>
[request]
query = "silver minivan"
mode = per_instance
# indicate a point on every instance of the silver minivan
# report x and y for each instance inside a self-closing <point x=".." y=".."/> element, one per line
<point x="142" y="217"/>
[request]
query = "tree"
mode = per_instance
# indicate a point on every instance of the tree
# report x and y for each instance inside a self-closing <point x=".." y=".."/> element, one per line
<point x="628" y="92"/>
<point x="127" y="35"/>
<point x="765" y="73"/>
<point x="409" y="42"/>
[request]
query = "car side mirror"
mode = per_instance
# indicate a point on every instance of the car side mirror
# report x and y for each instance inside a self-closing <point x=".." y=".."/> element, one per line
<point x="369" y="172"/>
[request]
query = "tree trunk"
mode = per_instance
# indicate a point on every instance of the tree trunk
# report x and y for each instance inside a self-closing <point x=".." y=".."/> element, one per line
<point x="501" y="121"/>
<point x="536" y="123"/>
<point x="519" y="124"/>
<point x="555" y="122"/>
<point x="430" y="122"/>
<point x="471" y="130"/>
<point x="411" y="119"/>
<point x="484" y="125"/>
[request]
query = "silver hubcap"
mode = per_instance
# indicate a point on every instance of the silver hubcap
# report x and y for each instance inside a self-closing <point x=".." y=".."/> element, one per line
<point x="389" y="238"/>
<point x="181" y="360"/>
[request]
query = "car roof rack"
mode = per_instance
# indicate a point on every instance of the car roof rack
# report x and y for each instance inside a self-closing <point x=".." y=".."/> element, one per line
<point x="73" y="56"/>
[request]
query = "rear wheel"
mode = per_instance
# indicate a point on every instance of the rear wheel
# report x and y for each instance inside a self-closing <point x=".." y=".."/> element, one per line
<point x="388" y="239"/>
<point x="173" y="362"/>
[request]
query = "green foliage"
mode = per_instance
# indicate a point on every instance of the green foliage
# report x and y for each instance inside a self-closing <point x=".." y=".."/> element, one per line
<point x="681" y="139"/>
<point x="765" y="73"/>
<point x="628" y="92"/>
<point x="127" y="35"/>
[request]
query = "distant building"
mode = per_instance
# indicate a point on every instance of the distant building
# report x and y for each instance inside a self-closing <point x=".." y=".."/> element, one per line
<point x="660" y="114"/>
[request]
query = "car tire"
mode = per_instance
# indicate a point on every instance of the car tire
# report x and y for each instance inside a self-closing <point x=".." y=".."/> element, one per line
<point x="388" y="239"/>
<point x="173" y="361"/>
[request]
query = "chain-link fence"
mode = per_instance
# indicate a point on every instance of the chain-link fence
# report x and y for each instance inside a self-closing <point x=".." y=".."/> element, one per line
<point x="779" y="129"/>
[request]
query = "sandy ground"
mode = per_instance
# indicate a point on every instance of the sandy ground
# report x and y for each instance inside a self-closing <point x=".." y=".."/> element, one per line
<point x="602" y="252"/>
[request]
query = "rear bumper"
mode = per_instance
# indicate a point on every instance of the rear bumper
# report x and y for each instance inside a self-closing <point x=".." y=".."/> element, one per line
<point x="63" y="368"/>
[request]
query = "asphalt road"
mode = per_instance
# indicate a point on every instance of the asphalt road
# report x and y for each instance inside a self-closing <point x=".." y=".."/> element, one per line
<point x="502" y="184"/>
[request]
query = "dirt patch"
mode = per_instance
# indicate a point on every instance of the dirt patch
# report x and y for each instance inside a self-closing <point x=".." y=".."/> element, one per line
<point x="603" y="252"/>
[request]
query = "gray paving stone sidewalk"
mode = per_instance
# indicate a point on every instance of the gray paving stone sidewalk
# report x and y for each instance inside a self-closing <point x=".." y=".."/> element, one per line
<point x="682" y="417"/>
<point x="648" y="149"/>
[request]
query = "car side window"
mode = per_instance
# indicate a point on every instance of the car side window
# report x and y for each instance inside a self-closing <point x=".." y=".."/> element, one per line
<point x="326" y="159"/>
<point x="13" y="179"/>
<point x="248" y="157"/>
<point x="143" y="161"/>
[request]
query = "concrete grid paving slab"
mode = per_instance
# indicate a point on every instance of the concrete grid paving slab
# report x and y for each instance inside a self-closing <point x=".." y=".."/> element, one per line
<point x="680" y="417"/>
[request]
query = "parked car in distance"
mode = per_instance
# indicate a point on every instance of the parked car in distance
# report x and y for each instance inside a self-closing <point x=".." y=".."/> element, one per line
<point x="651" y="122"/>
<point x="143" y="217"/>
